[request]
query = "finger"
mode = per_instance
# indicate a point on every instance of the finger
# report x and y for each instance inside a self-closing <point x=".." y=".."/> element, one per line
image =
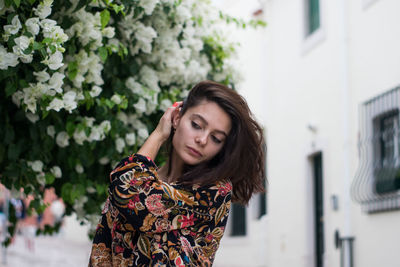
<point x="177" y="104"/>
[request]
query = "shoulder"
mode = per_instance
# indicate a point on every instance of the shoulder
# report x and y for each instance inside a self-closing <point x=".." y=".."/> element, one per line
<point x="136" y="162"/>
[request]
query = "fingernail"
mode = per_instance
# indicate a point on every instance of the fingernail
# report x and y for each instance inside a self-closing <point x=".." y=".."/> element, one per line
<point x="175" y="104"/>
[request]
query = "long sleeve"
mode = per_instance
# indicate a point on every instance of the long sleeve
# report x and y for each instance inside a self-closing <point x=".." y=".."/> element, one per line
<point x="165" y="223"/>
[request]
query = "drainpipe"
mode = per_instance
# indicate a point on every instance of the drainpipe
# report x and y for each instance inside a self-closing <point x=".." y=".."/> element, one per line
<point x="347" y="240"/>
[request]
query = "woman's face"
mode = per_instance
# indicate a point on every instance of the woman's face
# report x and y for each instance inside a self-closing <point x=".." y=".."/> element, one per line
<point x="200" y="133"/>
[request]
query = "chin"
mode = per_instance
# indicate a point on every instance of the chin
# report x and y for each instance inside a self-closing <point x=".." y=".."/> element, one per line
<point x="190" y="160"/>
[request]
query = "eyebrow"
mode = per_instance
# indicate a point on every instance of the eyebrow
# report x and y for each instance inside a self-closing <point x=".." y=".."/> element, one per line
<point x="198" y="116"/>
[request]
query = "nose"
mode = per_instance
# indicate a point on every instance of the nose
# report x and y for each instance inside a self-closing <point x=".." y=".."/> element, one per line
<point x="201" y="139"/>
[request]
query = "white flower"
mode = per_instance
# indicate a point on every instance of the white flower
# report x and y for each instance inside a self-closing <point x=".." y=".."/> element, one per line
<point x="89" y="121"/>
<point x="122" y="117"/>
<point x="80" y="137"/>
<point x="62" y="139"/>
<point x="56" y="33"/>
<point x="135" y="87"/>
<point x="91" y="190"/>
<point x="149" y="77"/>
<point x="96" y="134"/>
<point x="130" y="139"/>
<point x="119" y="144"/>
<point x="79" y="168"/>
<point x="116" y="99"/>
<point x="14" y="27"/>
<point x="56" y="104"/>
<point x="79" y="96"/>
<point x="104" y="160"/>
<point x="36" y="166"/>
<point x="96" y="90"/>
<point x="32" y="117"/>
<point x="56" y="171"/>
<point x="165" y="104"/>
<point x="78" y="206"/>
<point x="32" y="25"/>
<point x="113" y="44"/>
<point x="41" y="179"/>
<point x="151" y="105"/>
<point x="56" y="81"/>
<point x="143" y="133"/>
<point x="22" y="42"/>
<point x="69" y="101"/>
<point x="42" y="76"/>
<point x="183" y="13"/>
<point x="25" y="58"/>
<point x="148" y="5"/>
<point x="105" y="126"/>
<point x="55" y="60"/>
<point x="140" y="106"/>
<point x="48" y="2"/>
<point x="42" y="11"/>
<point x="108" y="32"/>
<point x="48" y="25"/>
<point x="144" y="36"/>
<point x="51" y="131"/>
<point x="7" y="59"/>
<point x="17" y="97"/>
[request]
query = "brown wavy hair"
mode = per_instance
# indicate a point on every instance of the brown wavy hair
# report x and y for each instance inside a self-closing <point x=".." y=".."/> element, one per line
<point x="241" y="160"/>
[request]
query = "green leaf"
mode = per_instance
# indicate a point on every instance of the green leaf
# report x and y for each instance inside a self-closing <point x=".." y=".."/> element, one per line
<point x="43" y="52"/>
<point x="17" y="2"/>
<point x="31" y="1"/>
<point x="70" y="128"/>
<point x="10" y="88"/>
<point x="49" y="178"/>
<point x="23" y="83"/>
<point x="8" y="4"/>
<point x="100" y="189"/>
<point x="104" y="18"/>
<point x="66" y="192"/>
<point x="53" y="49"/>
<point x="103" y="53"/>
<point x="47" y="40"/>
<point x="79" y="190"/>
<point x="124" y="104"/>
<point x="118" y="8"/>
<point x="109" y="103"/>
<point x="81" y="4"/>
<point x="72" y="69"/>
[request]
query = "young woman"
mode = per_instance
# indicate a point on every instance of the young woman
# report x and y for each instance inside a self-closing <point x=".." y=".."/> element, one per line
<point x="176" y="215"/>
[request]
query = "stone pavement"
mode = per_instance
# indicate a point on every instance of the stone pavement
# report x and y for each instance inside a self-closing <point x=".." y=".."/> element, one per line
<point x="49" y="251"/>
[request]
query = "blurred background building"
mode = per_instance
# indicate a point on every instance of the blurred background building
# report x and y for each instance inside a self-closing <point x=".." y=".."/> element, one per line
<point x="323" y="78"/>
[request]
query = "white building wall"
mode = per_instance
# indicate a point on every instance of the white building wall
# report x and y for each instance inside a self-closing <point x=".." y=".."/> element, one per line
<point x="375" y="68"/>
<point x="319" y="81"/>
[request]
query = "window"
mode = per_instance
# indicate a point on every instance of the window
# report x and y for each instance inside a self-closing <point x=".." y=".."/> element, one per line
<point x="313" y="29"/>
<point x="386" y="153"/>
<point x="376" y="185"/>
<point x="238" y="217"/>
<point x="313" y="16"/>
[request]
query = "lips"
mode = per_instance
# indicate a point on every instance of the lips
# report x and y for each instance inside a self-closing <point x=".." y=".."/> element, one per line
<point x="194" y="152"/>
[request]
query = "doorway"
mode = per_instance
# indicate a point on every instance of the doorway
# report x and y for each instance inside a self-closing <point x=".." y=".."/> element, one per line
<point x="318" y="208"/>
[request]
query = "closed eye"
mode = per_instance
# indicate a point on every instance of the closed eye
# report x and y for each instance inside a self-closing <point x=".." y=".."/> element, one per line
<point x="195" y="125"/>
<point x="216" y="140"/>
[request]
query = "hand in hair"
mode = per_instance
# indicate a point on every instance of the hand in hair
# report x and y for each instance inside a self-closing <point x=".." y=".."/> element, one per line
<point x="152" y="145"/>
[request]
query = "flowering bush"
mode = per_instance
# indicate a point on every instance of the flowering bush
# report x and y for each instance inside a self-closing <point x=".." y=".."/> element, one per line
<point x="84" y="82"/>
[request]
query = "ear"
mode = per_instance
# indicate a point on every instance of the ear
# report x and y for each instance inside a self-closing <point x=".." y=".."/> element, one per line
<point x="176" y="118"/>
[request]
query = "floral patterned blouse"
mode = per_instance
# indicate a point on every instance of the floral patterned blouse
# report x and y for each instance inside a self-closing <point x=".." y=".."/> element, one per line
<point x="147" y="222"/>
